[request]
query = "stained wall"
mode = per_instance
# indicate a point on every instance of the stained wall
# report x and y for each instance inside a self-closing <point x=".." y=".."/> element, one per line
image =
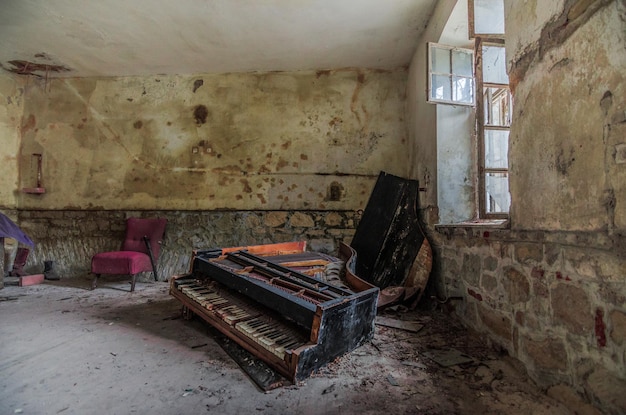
<point x="302" y="140"/>
<point x="11" y="107"/>
<point x="550" y="290"/>
<point x="229" y="159"/>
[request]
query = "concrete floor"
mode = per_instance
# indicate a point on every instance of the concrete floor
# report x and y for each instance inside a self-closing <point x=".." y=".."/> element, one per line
<point x="67" y="350"/>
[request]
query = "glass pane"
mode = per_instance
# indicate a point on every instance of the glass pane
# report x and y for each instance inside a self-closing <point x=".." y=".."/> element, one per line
<point x="441" y="60"/>
<point x="497" y="193"/>
<point x="494" y="65"/>
<point x="463" y="91"/>
<point x="462" y="63"/>
<point x="489" y="17"/>
<point x="441" y="88"/>
<point x="497" y="106"/>
<point x="496" y="149"/>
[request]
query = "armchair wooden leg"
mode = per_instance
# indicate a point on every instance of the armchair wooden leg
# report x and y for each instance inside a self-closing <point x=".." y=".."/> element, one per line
<point x="94" y="283"/>
<point x="132" y="283"/>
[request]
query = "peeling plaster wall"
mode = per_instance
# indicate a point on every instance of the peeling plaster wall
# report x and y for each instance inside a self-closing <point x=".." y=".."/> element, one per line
<point x="551" y="290"/>
<point x="11" y="107"/>
<point x="301" y="140"/>
<point x="569" y="123"/>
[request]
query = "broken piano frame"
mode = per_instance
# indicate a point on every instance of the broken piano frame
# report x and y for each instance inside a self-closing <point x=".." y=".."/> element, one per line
<point x="294" y="322"/>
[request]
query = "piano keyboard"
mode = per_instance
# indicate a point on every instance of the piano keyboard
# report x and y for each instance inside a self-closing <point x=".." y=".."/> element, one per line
<point x="271" y="334"/>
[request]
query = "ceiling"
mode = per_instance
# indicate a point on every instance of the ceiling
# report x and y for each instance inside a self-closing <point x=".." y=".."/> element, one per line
<point x="87" y="38"/>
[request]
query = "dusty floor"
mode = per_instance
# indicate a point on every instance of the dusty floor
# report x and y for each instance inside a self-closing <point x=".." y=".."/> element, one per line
<point x="65" y="349"/>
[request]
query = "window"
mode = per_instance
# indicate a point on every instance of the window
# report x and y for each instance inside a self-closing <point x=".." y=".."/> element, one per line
<point x="486" y="19"/>
<point x="451" y="75"/>
<point x="493" y="109"/>
<point x="485" y="86"/>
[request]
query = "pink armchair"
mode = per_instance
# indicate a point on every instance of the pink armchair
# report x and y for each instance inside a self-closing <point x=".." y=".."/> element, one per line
<point x="139" y="253"/>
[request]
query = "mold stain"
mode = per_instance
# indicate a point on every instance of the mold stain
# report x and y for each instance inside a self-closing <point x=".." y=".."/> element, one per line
<point x="286" y="145"/>
<point x="281" y="163"/>
<point x="564" y="162"/>
<point x="29" y="124"/>
<point x="304" y="157"/>
<point x="319" y="74"/>
<point x="197" y="84"/>
<point x="261" y="198"/>
<point x="200" y="114"/>
<point x="138" y="124"/>
<point x="246" y="186"/>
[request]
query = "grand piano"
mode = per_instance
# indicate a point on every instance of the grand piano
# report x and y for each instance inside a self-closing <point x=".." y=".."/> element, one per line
<point x="296" y="310"/>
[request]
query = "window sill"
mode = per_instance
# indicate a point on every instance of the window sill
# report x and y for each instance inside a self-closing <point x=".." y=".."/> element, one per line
<point x="479" y="223"/>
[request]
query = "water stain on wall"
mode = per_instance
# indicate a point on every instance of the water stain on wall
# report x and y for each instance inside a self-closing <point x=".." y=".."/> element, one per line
<point x="200" y="114"/>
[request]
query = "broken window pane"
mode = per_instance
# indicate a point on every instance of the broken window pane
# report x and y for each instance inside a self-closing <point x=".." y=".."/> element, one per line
<point x="497" y="193"/>
<point x="488" y="17"/>
<point x="496" y="149"/>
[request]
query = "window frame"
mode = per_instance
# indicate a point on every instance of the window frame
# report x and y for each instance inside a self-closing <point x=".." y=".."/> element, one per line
<point x="481" y="127"/>
<point x="472" y="26"/>
<point x="429" y="97"/>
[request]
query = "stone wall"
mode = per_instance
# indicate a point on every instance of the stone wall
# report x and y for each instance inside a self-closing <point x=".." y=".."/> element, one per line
<point x="554" y="300"/>
<point x="551" y="289"/>
<point x="71" y="237"/>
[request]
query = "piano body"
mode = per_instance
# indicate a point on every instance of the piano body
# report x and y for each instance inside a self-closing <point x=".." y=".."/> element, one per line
<point x="273" y="301"/>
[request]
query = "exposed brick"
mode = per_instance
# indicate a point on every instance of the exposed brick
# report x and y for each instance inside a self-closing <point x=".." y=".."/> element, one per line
<point x="548" y="354"/>
<point x="27" y="280"/>
<point x="301" y="220"/>
<point x="489" y="283"/>
<point x="608" y="389"/>
<point x="516" y="285"/>
<point x="538" y="273"/>
<point x="496" y="322"/>
<point x="490" y="263"/>
<point x="252" y="221"/>
<point x="275" y="219"/>
<point x="333" y="219"/>
<point x="571" y="307"/>
<point x="552" y="253"/>
<point x="618" y="324"/>
<point x="470" y="269"/>
<point x="528" y="252"/>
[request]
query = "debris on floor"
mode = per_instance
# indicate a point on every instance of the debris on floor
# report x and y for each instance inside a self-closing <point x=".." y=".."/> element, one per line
<point x="53" y="362"/>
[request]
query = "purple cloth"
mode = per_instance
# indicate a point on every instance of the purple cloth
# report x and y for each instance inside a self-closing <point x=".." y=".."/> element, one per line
<point x="8" y="229"/>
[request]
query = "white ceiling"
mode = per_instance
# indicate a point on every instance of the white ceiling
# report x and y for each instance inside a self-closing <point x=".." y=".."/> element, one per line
<point x="149" y="37"/>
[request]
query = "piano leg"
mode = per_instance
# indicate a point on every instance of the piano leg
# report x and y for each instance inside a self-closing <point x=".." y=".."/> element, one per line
<point x="186" y="313"/>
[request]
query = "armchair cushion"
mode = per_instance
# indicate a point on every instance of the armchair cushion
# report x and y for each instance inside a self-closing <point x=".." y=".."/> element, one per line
<point x="120" y="262"/>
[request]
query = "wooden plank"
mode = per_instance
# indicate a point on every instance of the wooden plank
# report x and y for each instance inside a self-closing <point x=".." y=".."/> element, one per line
<point x="412" y="326"/>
